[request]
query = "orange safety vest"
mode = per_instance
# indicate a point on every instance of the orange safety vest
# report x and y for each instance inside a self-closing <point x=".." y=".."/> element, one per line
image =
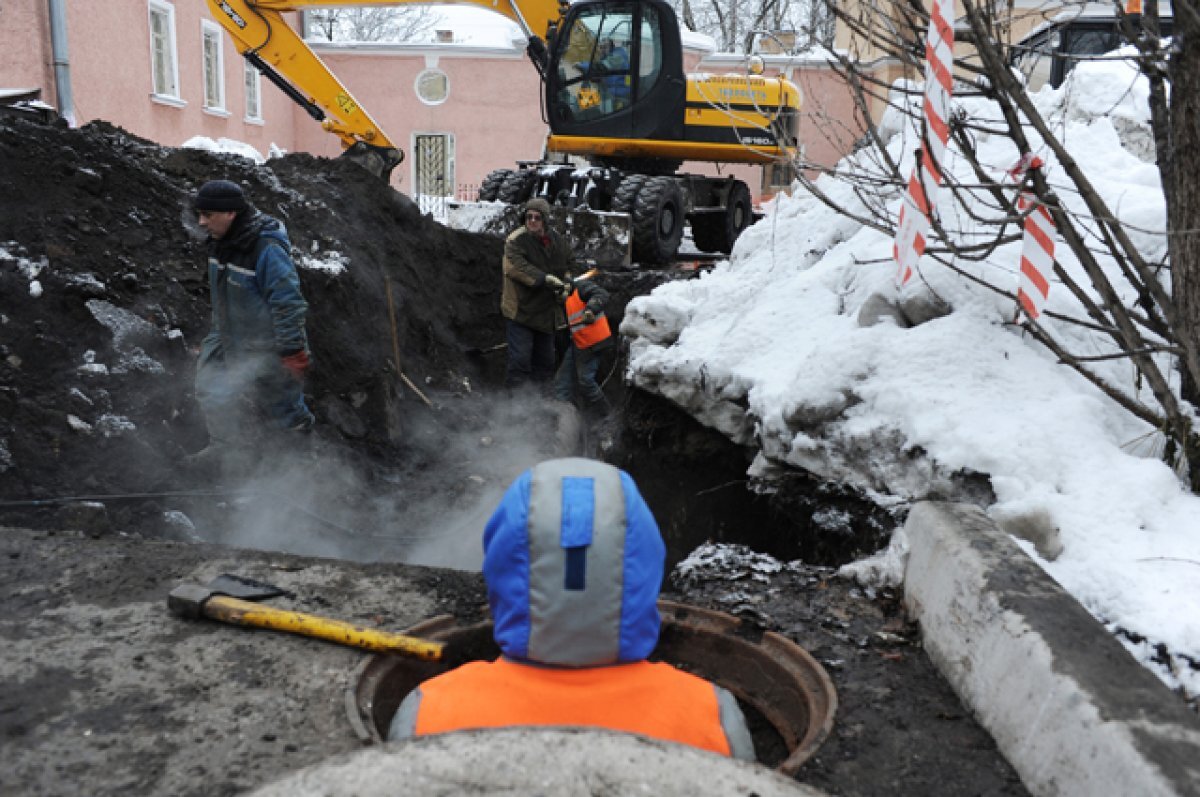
<point x="650" y="698"/>
<point x="584" y="335"/>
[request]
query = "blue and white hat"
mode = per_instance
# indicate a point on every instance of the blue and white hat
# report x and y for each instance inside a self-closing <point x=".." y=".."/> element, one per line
<point x="574" y="562"/>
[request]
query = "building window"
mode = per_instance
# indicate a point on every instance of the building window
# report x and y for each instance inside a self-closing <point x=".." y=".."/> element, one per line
<point x="433" y="86"/>
<point x="781" y="175"/>
<point x="214" y="66"/>
<point x="253" y="94"/>
<point x="164" y="66"/>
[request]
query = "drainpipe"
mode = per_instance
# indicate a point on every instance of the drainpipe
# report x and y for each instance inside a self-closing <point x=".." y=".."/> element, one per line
<point x="62" y="65"/>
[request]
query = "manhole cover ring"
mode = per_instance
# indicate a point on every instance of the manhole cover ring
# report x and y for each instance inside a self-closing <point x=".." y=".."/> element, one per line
<point x="768" y="672"/>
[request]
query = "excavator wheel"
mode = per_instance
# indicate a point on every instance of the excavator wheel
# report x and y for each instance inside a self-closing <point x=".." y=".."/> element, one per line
<point x="658" y="219"/>
<point x="517" y="187"/>
<point x="739" y="214"/>
<point x="625" y="197"/>
<point x="717" y="232"/>
<point x="489" y="189"/>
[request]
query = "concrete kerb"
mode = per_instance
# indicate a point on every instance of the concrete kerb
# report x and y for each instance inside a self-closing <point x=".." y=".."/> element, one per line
<point x="1069" y="708"/>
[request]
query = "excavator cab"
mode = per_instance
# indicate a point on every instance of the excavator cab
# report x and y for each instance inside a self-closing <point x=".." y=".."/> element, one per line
<point x="616" y="71"/>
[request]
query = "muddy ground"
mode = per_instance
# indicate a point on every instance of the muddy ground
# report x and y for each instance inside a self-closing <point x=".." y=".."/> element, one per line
<point x="102" y="301"/>
<point x="107" y="693"/>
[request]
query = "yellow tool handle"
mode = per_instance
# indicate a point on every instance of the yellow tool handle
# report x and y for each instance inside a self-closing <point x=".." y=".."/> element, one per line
<point x="240" y="612"/>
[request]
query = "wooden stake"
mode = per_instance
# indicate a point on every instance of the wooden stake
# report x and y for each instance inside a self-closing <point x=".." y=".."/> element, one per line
<point x="387" y="287"/>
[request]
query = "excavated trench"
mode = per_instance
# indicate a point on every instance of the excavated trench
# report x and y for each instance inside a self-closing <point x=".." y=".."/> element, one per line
<point x="103" y="302"/>
<point x="695" y="478"/>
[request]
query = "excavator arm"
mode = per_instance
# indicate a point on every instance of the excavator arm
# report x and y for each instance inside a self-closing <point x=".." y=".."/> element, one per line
<point x="261" y="34"/>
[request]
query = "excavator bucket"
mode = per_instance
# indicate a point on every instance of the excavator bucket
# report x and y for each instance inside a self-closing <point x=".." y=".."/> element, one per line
<point x="603" y="238"/>
<point x="379" y="161"/>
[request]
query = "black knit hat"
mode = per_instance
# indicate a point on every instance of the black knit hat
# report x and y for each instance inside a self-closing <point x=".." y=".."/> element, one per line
<point x="220" y="195"/>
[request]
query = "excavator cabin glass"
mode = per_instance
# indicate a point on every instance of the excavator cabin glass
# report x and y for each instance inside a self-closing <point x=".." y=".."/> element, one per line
<point x="609" y="63"/>
<point x="595" y="64"/>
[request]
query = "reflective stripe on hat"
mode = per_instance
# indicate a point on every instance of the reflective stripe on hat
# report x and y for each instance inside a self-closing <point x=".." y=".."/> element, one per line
<point x="574" y="624"/>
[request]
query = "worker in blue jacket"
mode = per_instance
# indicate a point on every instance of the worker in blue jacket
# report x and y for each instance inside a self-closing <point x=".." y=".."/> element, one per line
<point x="618" y="82"/>
<point x="256" y="355"/>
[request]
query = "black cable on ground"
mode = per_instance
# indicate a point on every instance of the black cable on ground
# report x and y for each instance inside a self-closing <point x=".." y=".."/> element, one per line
<point x="39" y="503"/>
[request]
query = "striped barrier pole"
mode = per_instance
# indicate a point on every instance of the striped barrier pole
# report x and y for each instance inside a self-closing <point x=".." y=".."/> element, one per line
<point x="918" y="204"/>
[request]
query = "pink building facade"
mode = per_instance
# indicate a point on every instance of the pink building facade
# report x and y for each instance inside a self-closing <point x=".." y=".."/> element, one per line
<point x="165" y="71"/>
<point x="112" y="65"/>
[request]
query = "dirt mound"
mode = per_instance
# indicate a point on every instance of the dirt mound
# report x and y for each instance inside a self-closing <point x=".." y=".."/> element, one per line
<point x="103" y="297"/>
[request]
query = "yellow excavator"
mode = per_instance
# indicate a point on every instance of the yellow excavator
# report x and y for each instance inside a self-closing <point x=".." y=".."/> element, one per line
<point x="615" y="94"/>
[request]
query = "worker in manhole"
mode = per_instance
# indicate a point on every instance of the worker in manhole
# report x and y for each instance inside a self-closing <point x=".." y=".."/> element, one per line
<point x="590" y="338"/>
<point x="573" y="561"/>
<point x="536" y="262"/>
<point x="253" y="361"/>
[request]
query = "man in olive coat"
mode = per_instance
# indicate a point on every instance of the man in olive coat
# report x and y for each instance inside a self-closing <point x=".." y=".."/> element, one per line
<point x="536" y="263"/>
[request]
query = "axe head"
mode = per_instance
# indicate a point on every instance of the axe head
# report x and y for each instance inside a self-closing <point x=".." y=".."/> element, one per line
<point x="187" y="600"/>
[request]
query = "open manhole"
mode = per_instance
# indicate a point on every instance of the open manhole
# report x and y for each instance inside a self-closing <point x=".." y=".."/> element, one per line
<point x="788" y="698"/>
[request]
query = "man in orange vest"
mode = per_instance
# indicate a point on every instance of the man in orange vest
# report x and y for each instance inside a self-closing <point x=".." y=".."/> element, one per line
<point x="573" y="562"/>
<point x="590" y="337"/>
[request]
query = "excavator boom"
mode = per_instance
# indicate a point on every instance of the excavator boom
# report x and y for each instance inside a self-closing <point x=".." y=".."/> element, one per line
<point x="263" y="36"/>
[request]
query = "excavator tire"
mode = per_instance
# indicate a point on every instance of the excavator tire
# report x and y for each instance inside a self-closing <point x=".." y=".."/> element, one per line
<point x="658" y="220"/>
<point x="489" y="189"/>
<point x="625" y="197"/>
<point x="717" y="232"/>
<point x="517" y="187"/>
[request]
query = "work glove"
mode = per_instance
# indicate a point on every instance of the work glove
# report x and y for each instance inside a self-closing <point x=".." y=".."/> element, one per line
<point x="554" y="283"/>
<point x="296" y="364"/>
<point x="588" y="316"/>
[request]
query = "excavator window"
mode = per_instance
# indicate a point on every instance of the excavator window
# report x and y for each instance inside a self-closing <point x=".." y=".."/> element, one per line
<point x="602" y="63"/>
<point x="650" y="53"/>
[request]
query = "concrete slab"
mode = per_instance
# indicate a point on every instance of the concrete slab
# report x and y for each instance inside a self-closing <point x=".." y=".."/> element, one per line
<point x="1070" y="709"/>
<point x="566" y="762"/>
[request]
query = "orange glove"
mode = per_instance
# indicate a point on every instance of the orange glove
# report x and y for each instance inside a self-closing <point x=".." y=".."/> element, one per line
<point x="296" y="364"/>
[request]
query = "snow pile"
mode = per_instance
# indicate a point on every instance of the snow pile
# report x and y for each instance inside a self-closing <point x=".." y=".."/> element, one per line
<point x="793" y="346"/>
<point x="332" y="262"/>
<point x="722" y="561"/>
<point x="30" y="269"/>
<point x="232" y="147"/>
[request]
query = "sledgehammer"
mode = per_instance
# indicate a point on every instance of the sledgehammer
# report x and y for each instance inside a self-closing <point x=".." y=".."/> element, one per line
<point x="224" y="600"/>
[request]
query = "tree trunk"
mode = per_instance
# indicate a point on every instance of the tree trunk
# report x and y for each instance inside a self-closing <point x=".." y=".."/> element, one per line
<point x="1183" y="211"/>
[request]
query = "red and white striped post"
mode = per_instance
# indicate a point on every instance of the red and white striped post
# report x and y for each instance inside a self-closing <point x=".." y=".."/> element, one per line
<point x="1037" y="245"/>
<point x="918" y="204"/>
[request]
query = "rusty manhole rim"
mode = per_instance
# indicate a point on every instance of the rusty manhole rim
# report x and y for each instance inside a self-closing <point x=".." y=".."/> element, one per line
<point x="796" y="697"/>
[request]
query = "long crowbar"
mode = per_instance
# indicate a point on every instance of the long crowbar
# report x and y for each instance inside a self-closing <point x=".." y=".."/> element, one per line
<point x="230" y="599"/>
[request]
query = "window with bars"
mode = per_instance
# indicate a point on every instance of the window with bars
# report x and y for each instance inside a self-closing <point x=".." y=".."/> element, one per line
<point x="214" y="66"/>
<point x="164" y="66"/>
